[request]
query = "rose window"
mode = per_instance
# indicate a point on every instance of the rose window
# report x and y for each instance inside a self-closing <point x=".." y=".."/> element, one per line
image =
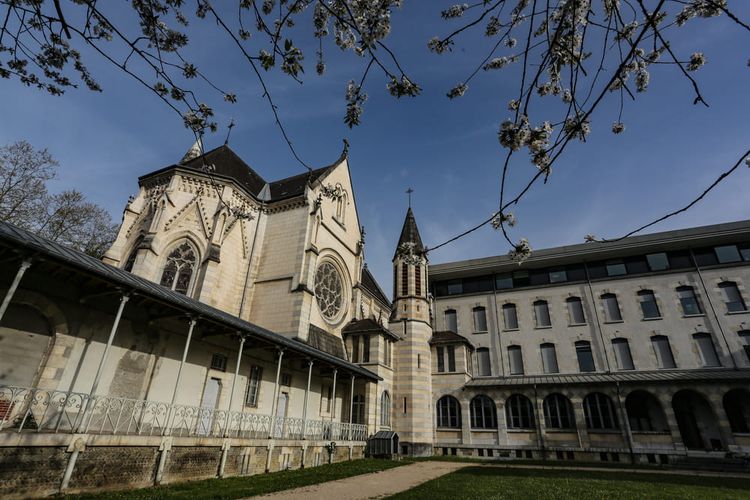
<point x="329" y="290"/>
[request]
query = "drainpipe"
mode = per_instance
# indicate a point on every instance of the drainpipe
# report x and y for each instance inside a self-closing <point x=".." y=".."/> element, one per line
<point x="596" y="316"/>
<point x="713" y="309"/>
<point x="249" y="266"/>
<point x="179" y="374"/>
<point x="540" y="437"/>
<point x="97" y="378"/>
<point x="333" y="396"/>
<point x="307" y="393"/>
<point x="499" y="328"/>
<point x="351" y="407"/>
<point x="625" y="423"/>
<point x="243" y="337"/>
<point x="25" y="264"/>
<point x="274" y="403"/>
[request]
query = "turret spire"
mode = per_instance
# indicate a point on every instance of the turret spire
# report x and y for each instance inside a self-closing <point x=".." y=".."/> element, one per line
<point x="410" y="236"/>
<point x="194" y="152"/>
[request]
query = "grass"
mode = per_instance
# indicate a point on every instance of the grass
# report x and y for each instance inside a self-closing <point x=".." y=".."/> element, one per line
<point x="547" y="463"/>
<point x="495" y="483"/>
<point x="247" y="486"/>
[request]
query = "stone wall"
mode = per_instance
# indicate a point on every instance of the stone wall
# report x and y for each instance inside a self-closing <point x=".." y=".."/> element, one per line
<point x="35" y="466"/>
<point x="102" y="466"/>
<point x="36" y="470"/>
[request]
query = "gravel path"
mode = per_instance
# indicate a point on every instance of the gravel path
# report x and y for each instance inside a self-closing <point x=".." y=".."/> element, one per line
<point x="375" y="485"/>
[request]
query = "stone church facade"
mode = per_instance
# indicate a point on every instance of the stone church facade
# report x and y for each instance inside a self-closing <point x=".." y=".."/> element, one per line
<point x="234" y="328"/>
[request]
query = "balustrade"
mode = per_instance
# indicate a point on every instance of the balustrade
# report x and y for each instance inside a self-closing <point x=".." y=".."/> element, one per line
<point x="24" y="409"/>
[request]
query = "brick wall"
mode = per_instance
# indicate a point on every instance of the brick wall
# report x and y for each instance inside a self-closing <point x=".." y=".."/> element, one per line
<point x="34" y="471"/>
<point x="101" y="467"/>
<point x="29" y="471"/>
<point x="192" y="462"/>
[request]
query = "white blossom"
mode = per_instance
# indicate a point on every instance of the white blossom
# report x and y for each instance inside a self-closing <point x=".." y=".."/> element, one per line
<point x="454" y="11"/>
<point x="496" y="63"/>
<point x="521" y="251"/>
<point x="457" y="91"/>
<point x="618" y="127"/>
<point x="696" y="61"/>
<point x="503" y="218"/>
<point x="641" y="80"/>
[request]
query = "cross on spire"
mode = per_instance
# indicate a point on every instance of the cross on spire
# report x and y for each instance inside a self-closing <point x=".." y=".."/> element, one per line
<point x="409" y="192"/>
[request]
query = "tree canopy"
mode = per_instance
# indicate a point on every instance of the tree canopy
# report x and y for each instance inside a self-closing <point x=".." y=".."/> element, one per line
<point x="568" y="57"/>
<point x="65" y="217"/>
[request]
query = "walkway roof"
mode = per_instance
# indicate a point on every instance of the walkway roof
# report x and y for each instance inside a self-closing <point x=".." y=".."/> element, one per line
<point x="36" y="247"/>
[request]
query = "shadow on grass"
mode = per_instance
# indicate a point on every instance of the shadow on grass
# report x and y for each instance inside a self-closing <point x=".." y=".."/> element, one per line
<point x="246" y="486"/>
<point x="656" y="478"/>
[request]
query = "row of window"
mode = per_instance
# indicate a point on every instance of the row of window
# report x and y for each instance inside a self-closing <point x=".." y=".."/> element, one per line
<point x="642" y="409"/>
<point x="655" y="262"/>
<point x="689" y="304"/>
<point x="621" y="348"/>
<point x="360" y="349"/>
<point x="446" y="359"/>
<point x="598" y="409"/>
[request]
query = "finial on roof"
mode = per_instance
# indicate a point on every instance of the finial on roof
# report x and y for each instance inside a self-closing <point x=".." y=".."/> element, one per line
<point x="194" y="152"/>
<point x="229" y="130"/>
<point x="345" y="152"/>
<point x="409" y="192"/>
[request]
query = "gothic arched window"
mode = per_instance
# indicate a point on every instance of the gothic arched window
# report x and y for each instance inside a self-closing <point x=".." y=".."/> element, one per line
<point x="448" y="413"/>
<point x="179" y="269"/>
<point x="385" y="409"/>
<point x="483" y="413"/>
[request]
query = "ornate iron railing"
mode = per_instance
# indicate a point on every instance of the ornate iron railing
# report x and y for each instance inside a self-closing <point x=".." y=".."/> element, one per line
<point x="24" y="409"/>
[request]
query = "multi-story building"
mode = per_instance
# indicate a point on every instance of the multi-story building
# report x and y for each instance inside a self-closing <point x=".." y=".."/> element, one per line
<point x="639" y="347"/>
<point x="233" y="328"/>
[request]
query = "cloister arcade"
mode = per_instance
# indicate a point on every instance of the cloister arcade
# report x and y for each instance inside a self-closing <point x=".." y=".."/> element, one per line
<point x="634" y="419"/>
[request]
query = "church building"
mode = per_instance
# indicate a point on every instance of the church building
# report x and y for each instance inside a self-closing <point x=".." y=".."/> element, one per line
<point x="234" y="328"/>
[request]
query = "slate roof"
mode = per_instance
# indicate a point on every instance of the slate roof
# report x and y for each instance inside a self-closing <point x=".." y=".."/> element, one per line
<point x="29" y="244"/>
<point x="448" y="337"/>
<point x="367" y="325"/>
<point x="295" y="185"/>
<point x="604" y="378"/>
<point x="228" y="164"/>
<point x="371" y="285"/>
<point x="410" y="234"/>
<point x="326" y="342"/>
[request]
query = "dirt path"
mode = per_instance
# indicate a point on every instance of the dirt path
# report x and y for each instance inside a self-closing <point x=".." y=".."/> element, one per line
<point x="375" y="485"/>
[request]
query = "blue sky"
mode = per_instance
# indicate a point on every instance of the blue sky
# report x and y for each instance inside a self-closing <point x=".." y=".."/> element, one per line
<point x="446" y="150"/>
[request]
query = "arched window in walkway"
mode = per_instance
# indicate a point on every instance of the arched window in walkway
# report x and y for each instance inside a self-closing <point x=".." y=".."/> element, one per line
<point x="697" y="421"/>
<point x="448" y="413"/>
<point x="483" y="413"/>
<point x="599" y="411"/>
<point x="737" y="407"/>
<point x="558" y="412"/>
<point x="519" y="413"/>
<point x="645" y="414"/>
<point x="179" y="268"/>
<point x="24" y="336"/>
<point x="385" y="409"/>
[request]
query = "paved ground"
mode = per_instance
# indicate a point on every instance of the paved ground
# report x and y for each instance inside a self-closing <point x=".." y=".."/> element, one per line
<point x="375" y="485"/>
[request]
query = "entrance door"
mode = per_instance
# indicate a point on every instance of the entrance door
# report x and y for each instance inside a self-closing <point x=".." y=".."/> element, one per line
<point x="208" y="404"/>
<point x="280" y="414"/>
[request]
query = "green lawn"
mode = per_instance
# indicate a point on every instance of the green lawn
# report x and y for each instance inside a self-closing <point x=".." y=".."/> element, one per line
<point x="238" y="487"/>
<point x="494" y="482"/>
